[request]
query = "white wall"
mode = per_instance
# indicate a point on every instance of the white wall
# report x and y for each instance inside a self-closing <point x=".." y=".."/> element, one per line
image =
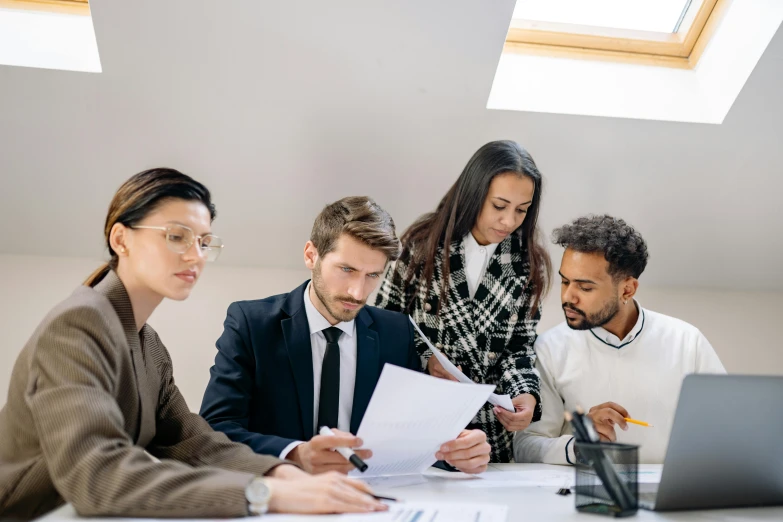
<point x="740" y="325"/>
<point x="32" y="285"/>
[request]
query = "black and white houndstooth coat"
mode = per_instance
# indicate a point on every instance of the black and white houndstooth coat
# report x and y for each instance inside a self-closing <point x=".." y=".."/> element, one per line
<point x="491" y="336"/>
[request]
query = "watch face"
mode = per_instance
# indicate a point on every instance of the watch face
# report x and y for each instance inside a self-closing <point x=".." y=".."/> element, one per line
<point x="258" y="492"/>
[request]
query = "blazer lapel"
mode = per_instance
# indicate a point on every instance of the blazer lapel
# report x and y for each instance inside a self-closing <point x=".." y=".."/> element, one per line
<point x="367" y="367"/>
<point x="296" y="332"/>
<point x="113" y="289"/>
<point x="149" y="387"/>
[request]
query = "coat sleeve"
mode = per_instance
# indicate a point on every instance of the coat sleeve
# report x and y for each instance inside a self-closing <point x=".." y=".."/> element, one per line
<point x="92" y="461"/>
<point x="185" y="436"/>
<point x="228" y="397"/>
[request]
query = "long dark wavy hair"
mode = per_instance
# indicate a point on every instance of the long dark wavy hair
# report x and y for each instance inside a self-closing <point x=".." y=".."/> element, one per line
<point x="458" y="211"/>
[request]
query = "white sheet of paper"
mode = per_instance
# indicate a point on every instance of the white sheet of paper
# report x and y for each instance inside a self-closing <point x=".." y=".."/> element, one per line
<point x="409" y="512"/>
<point x="446" y="512"/>
<point x="540" y="478"/>
<point x="394" y="481"/>
<point x="410" y="416"/>
<point x="504" y="401"/>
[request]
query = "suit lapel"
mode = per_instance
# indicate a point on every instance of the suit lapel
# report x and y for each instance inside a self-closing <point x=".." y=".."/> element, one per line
<point x="113" y="289"/>
<point x="367" y="367"/>
<point x="296" y="332"/>
<point x="149" y="387"/>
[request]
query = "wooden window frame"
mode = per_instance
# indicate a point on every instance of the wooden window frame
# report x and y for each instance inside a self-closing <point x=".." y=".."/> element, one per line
<point x="75" y="7"/>
<point x="679" y="50"/>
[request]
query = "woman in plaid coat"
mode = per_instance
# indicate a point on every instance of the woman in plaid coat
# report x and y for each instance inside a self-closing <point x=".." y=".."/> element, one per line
<point x="472" y="275"/>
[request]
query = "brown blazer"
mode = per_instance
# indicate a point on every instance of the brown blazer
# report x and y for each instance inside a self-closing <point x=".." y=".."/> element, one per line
<point x="88" y="395"/>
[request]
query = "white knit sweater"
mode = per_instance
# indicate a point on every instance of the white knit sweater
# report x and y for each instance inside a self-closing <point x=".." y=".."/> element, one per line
<point x="643" y="373"/>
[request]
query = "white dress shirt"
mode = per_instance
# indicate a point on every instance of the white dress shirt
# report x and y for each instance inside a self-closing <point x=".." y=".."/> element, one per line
<point x="347" y="344"/>
<point x="642" y="373"/>
<point x="476" y="261"/>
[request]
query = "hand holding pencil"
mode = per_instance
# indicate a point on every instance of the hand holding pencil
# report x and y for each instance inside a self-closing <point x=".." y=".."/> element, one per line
<point x="605" y="417"/>
<point x="608" y="415"/>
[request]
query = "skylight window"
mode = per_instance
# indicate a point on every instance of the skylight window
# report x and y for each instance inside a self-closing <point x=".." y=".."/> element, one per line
<point x="670" y="60"/>
<point x="48" y="34"/>
<point x="664" y="16"/>
<point x="654" y="32"/>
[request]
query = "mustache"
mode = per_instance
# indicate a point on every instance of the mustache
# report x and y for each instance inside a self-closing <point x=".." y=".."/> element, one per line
<point x="566" y="306"/>
<point x="349" y="300"/>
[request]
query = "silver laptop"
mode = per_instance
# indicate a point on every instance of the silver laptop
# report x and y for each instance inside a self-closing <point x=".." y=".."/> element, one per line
<point x="726" y="446"/>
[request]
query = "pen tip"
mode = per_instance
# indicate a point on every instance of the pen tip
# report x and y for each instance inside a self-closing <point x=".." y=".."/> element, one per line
<point x="580" y="410"/>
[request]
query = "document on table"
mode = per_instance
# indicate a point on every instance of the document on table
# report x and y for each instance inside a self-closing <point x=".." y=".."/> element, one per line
<point x="409" y="512"/>
<point x="548" y="478"/>
<point x="534" y="478"/>
<point x="504" y="401"/>
<point x="411" y="415"/>
<point x="429" y="475"/>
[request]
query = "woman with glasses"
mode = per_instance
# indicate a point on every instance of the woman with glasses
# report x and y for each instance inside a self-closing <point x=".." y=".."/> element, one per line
<point x="471" y="276"/>
<point x="93" y="416"/>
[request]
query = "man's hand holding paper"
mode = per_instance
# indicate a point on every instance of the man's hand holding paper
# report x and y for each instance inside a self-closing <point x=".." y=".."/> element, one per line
<point x="468" y="453"/>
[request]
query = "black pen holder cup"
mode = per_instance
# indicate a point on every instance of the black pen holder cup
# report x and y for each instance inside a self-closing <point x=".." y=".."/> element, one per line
<point x="591" y="494"/>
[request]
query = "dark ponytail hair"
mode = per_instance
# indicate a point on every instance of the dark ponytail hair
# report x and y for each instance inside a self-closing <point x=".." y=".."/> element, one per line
<point x="459" y="209"/>
<point x="141" y="195"/>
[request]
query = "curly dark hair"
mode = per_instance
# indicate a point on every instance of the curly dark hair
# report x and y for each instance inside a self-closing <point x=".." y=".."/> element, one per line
<point x="623" y="247"/>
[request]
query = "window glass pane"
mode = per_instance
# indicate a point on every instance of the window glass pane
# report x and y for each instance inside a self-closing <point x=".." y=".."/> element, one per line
<point x="638" y="15"/>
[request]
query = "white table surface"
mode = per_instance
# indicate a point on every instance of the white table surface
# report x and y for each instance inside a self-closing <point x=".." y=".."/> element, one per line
<point x="528" y="504"/>
<point x="533" y="504"/>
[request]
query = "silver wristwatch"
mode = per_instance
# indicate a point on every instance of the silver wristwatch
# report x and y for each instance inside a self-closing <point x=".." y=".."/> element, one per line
<point x="258" y="494"/>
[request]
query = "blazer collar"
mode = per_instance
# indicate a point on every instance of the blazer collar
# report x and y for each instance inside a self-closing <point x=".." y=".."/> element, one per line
<point x="112" y="288"/>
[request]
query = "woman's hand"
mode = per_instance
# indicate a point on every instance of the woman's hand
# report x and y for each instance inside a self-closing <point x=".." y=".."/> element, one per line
<point x="436" y="369"/>
<point x="294" y="491"/>
<point x="524" y="406"/>
<point x="469" y="452"/>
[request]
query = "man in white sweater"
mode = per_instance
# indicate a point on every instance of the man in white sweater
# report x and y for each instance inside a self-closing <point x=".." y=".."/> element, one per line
<point x="610" y="356"/>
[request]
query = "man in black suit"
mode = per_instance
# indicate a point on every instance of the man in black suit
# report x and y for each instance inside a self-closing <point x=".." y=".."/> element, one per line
<point x="293" y="362"/>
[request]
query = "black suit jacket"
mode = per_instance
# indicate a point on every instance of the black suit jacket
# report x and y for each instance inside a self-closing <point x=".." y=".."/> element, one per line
<point x="260" y="390"/>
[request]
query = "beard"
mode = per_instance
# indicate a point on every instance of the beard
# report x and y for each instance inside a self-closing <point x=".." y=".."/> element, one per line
<point x="332" y="302"/>
<point x="590" y="321"/>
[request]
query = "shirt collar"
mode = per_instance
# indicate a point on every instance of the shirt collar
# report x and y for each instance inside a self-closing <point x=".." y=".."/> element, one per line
<point x="612" y="340"/>
<point x="472" y="246"/>
<point x="318" y="322"/>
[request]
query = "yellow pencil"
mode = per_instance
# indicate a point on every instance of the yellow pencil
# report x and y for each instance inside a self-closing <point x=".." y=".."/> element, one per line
<point x="640" y="423"/>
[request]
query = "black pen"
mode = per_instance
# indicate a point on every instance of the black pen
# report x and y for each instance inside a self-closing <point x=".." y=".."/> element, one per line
<point x="387" y="499"/>
<point x="348" y="453"/>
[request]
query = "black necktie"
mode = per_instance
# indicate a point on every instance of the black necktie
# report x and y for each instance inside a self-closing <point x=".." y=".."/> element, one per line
<point x="329" y="403"/>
